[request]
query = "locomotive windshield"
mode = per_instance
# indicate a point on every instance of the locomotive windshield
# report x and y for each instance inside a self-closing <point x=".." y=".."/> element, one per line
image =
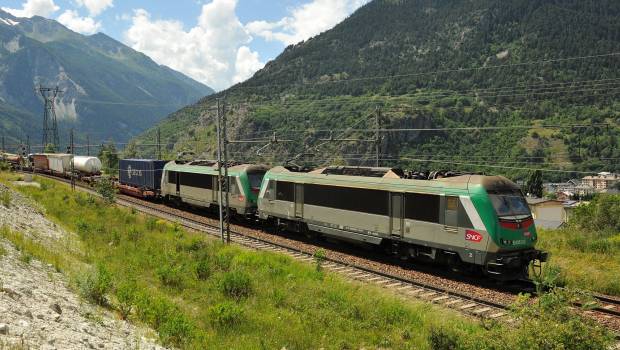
<point x="256" y="178"/>
<point x="509" y="203"/>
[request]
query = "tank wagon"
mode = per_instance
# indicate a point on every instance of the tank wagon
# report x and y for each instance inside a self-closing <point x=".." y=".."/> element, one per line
<point x="467" y="222"/>
<point x="87" y="165"/>
<point x="195" y="183"/>
<point x="140" y="177"/>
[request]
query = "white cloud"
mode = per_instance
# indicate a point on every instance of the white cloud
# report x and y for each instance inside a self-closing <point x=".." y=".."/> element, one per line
<point x="305" y="21"/>
<point x="213" y="52"/>
<point x="34" y="8"/>
<point x="83" y="25"/>
<point x="95" y="7"/>
<point x="246" y="64"/>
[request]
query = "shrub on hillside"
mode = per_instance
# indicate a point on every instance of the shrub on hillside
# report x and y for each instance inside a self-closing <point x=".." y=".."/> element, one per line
<point x="95" y="284"/>
<point x="226" y="314"/>
<point x="203" y="269"/>
<point x="170" y="275"/>
<point x="236" y="285"/>
<point x="602" y="214"/>
<point x="105" y="188"/>
<point x="125" y="296"/>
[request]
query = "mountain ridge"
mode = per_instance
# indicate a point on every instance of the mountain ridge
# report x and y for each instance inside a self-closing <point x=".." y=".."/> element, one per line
<point x="110" y="91"/>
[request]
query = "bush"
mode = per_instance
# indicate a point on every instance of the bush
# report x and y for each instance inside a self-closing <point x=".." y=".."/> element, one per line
<point x="236" y="285"/>
<point x="602" y="214"/>
<point x="126" y="296"/>
<point x="95" y="284"/>
<point x="319" y="258"/>
<point x="226" y="314"/>
<point x="175" y="330"/>
<point x="203" y="269"/>
<point x="105" y="188"/>
<point x="170" y="276"/>
<point x="442" y="339"/>
<point x="4" y="166"/>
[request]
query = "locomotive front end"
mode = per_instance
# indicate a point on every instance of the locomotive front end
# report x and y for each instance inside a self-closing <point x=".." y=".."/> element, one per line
<point x="511" y="228"/>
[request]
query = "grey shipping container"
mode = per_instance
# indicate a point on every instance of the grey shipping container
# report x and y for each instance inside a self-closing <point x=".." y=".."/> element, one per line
<point x="141" y="173"/>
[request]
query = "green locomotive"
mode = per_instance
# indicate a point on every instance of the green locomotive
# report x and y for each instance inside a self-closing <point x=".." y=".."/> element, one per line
<point x="196" y="183"/>
<point x="467" y="222"/>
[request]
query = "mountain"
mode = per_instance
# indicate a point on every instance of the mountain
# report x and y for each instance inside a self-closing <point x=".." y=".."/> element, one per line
<point x="109" y="90"/>
<point x="519" y="65"/>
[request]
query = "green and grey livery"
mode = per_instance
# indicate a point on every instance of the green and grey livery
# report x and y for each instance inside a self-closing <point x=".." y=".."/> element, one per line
<point x="469" y="221"/>
<point x="196" y="183"/>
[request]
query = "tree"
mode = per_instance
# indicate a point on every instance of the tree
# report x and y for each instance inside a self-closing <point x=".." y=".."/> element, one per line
<point x="535" y="184"/>
<point x="109" y="158"/>
<point x="131" y="150"/>
<point x="49" y="148"/>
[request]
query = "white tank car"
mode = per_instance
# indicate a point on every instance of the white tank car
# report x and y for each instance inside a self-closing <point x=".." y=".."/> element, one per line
<point x="87" y="165"/>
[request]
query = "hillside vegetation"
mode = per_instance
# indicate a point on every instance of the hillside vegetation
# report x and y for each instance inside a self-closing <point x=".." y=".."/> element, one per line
<point x="198" y="293"/>
<point x="586" y="254"/>
<point x="445" y="64"/>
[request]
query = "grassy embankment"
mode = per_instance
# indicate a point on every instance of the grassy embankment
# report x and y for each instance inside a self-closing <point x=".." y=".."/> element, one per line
<point x="586" y="254"/>
<point x="198" y="293"/>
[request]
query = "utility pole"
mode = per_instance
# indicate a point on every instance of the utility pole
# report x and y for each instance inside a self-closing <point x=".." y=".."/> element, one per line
<point x="88" y="145"/>
<point x="3" y="149"/>
<point x="377" y="138"/>
<point x="159" y="143"/>
<point x="226" y="178"/>
<point x="219" y="168"/>
<point x="28" y="143"/>
<point x="50" y="125"/>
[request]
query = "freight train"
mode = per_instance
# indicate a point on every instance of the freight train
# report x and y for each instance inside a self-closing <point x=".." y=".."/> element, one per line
<point x="465" y="221"/>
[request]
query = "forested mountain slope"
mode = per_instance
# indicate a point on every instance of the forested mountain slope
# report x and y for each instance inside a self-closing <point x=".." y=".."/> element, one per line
<point x="109" y="90"/>
<point x="434" y="65"/>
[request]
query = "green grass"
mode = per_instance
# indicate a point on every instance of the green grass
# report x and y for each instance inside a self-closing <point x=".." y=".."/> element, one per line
<point x="586" y="261"/>
<point x="5" y="199"/>
<point x="198" y="293"/>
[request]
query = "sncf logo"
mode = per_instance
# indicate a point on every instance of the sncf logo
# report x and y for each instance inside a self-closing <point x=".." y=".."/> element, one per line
<point x="473" y="236"/>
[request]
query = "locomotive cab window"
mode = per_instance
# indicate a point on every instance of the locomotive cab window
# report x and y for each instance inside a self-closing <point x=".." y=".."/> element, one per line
<point x="270" y="191"/>
<point x="255" y="179"/>
<point x="509" y="204"/>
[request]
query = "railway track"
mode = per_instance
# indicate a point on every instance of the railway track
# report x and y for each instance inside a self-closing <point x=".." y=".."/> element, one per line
<point x="607" y="311"/>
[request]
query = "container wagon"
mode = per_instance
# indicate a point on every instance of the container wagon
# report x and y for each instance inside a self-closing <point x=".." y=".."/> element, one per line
<point x="196" y="183"/>
<point x="140" y="177"/>
<point x="467" y="222"/>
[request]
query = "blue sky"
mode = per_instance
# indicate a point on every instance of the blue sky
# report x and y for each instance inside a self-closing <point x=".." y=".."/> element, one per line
<point x="217" y="42"/>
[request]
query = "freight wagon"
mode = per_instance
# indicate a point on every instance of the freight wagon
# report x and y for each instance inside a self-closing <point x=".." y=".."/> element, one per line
<point x="87" y="165"/>
<point x="14" y="160"/>
<point x="467" y="222"/>
<point x="52" y="163"/>
<point x="196" y="183"/>
<point x="140" y="177"/>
